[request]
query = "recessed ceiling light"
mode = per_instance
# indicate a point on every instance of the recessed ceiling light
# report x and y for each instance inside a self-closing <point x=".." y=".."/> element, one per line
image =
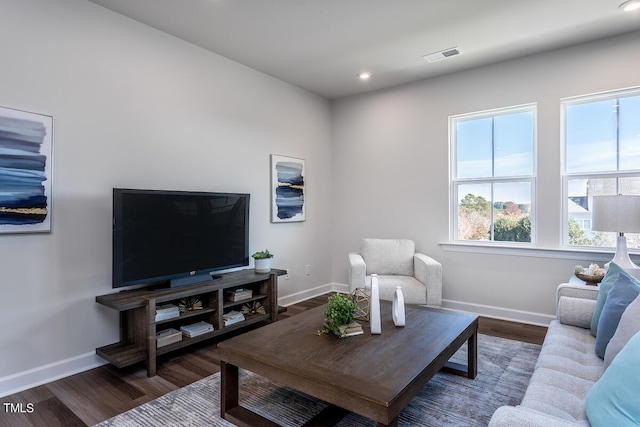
<point x="630" y="5"/>
<point x="364" y="75"/>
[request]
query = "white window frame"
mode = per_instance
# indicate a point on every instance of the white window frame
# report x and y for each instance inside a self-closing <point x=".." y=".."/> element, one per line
<point x="454" y="181"/>
<point x="566" y="177"/>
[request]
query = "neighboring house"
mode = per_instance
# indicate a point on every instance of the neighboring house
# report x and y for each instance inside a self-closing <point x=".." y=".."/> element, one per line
<point x="582" y="217"/>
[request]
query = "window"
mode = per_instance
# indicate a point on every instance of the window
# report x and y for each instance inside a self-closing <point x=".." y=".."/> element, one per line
<point x="601" y="146"/>
<point x="492" y="175"/>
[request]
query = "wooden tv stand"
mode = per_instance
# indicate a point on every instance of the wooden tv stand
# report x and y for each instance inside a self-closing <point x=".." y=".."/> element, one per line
<point x="138" y="325"/>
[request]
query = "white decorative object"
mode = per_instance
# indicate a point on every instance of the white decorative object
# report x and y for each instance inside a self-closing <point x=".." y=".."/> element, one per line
<point x="620" y="214"/>
<point x="397" y="307"/>
<point x="263" y="265"/>
<point x="374" y="312"/>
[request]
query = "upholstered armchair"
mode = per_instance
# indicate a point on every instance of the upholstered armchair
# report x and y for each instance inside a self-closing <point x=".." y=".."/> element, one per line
<point x="397" y="264"/>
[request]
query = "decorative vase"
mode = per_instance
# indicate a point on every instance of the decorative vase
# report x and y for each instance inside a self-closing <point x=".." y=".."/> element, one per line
<point x="263" y="265"/>
<point x="374" y="311"/>
<point x="397" y="307"/>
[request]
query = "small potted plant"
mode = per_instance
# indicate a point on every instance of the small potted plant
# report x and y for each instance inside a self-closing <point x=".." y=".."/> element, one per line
<point x="340" y="312"/>
<point x="263" y="261"/>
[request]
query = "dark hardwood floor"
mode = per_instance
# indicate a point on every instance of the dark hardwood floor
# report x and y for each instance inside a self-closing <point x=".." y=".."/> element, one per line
<point x="93" y="396"/>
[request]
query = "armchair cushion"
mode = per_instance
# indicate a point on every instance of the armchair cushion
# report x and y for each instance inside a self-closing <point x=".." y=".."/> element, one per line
<point x="412" y="289"/>
<point x="388" y="256"/>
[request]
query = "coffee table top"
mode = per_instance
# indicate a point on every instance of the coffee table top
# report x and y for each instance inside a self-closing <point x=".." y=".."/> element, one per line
<point x="361" y="368"/>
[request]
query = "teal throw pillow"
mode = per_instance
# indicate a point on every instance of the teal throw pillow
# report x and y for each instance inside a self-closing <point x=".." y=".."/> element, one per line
<point x="622" y="293"/>
<point x="613" y="400"/>
<point x="607" y="282"/>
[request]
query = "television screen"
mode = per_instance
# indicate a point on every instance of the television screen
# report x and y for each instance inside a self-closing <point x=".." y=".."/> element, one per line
<point x="177" y="236"/>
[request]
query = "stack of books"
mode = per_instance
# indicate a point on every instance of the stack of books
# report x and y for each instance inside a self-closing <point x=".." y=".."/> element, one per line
<point x="167" y="311"/>
<point x="350" y="330"/>
<point x="196" y="329"/>
<point x="238" y="295"/>
<point x="232" y="317"/>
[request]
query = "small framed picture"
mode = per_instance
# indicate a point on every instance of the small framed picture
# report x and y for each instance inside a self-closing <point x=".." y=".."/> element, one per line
<point x="288" y="176"/>
<point x="26" y="141"/>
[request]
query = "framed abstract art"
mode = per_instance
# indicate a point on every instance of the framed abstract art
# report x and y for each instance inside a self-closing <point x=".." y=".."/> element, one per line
<point x="26" y="141"/>
<point x="287" y="189"/>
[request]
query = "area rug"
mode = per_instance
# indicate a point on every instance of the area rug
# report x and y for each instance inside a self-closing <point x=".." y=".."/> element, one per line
<point x="504" y="369"/>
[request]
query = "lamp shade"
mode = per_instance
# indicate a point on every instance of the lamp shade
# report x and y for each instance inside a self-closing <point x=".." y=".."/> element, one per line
<point x="616" y="213"/>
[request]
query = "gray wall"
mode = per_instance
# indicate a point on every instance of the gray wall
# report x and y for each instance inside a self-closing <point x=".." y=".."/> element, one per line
<point x="391" y="171"/>
<point x="134" y="107"/>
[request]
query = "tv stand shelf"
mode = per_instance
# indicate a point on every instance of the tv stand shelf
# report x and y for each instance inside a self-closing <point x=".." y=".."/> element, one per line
<point x="137" y="309"/>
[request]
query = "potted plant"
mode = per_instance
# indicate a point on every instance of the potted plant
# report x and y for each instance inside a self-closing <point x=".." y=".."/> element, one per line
<point x="263" y="261"/>
<point x="340" y="312"/>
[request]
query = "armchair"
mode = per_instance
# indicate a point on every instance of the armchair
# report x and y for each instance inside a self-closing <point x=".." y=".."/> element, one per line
<point x="397" y="264"/>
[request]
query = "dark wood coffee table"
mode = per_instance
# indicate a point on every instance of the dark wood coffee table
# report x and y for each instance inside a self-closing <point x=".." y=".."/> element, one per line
<point x="375" y="376"/>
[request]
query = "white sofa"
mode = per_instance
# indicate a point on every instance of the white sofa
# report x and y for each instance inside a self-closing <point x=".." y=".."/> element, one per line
<point x="566" y="369"/>
<point x="397" y="264"/>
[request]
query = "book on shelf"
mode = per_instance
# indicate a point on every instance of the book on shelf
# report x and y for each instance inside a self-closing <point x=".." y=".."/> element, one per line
<point x="167" y="311"/>
<point x="196" y="329"/>
<point x="232" y="317"/>
<point x="238" y="295"/>
<point x="168" y="336"/>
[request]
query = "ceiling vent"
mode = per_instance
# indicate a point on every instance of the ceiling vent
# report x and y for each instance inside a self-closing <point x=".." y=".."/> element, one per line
<point x="443" y="54"/>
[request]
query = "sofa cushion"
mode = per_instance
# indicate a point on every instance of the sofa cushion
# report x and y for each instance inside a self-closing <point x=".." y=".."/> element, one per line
<point x="629" y="326"/>
<point x="607" y="282"/>
<point x="613" y="400"/>
<point x="575" y="311"/>
<point x="622" y="293"/>
<point x="388" y="256"/>
<point x="569" y="349"/>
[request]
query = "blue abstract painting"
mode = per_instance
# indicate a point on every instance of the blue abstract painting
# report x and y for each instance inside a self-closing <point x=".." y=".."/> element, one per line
<point x="287" y="181"/>
<point x="25" y="171"/>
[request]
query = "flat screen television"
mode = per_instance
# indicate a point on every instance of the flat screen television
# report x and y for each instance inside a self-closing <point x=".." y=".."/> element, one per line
<point x="177" y="237"/>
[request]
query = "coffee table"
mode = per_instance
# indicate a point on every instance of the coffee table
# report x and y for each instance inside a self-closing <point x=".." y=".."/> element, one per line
<point x="375" y="376"/>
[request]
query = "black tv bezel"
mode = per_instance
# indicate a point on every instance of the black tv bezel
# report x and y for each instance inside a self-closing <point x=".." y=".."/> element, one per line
<point x="204" y="274"/>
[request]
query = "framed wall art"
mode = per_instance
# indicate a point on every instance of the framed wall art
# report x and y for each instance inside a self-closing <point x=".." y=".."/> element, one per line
<point x="26" y="141"/>
<point x="287" y="189"/>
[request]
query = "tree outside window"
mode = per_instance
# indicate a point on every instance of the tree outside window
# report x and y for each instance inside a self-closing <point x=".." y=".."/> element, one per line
<point x="493" y="174"/>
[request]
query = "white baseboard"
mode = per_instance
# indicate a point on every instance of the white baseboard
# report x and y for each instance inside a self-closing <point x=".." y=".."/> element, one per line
<point x="306" y="294"/>
<point x="508" y="314"/>
<point x="44" y="374"/>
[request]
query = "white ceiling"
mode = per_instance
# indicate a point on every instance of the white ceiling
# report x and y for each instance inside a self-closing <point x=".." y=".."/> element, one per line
<point x="321" y="45"/>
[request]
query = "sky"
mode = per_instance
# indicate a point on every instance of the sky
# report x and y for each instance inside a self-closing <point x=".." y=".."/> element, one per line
<point x="503" y="146"/>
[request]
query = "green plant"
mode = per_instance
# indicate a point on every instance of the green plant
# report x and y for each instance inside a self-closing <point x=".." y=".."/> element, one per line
<point x="341" y="309"/>
<point x="262" y="254"/>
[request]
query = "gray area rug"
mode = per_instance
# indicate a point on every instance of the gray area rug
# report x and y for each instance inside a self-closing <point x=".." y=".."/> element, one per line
<point x="504" y="369"/>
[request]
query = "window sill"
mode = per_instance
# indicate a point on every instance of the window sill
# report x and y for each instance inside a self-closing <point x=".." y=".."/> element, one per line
<point x="597" y="255"/>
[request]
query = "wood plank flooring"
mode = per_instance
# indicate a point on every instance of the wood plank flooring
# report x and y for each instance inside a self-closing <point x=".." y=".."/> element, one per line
<point x="93" y="396"/>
